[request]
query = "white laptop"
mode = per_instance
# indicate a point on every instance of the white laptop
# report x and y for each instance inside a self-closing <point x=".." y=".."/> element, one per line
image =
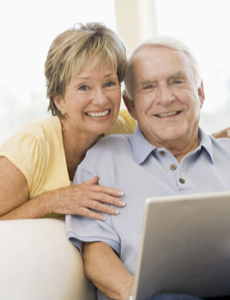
<point x="185" y="246"/>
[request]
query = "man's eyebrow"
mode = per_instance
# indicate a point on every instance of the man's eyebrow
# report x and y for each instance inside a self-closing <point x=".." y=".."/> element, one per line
<point x="178" y="74"/>
<point x="145" y="81"/>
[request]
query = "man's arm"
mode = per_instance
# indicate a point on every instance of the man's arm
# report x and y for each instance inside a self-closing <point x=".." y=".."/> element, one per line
<point x="104" y="268"/>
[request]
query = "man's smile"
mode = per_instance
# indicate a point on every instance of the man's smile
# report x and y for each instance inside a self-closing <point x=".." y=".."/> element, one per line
<point x="167" y="114"/>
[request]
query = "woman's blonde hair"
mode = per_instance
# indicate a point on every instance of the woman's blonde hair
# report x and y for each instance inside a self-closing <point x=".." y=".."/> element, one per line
<point x="71" y="50"/>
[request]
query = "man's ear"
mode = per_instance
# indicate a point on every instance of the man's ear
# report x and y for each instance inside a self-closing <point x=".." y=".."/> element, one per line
<point x="130" y="106"/>
<point x="201" y="94"/>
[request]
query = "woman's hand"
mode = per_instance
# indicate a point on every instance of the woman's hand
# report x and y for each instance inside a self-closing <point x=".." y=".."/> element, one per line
<point x="222" y="133"/>
<point x="85" y="198"/>
<point x="75" y="199"/>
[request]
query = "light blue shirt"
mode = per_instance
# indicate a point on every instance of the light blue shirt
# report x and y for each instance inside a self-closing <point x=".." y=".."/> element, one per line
<point x="141" y="170"/>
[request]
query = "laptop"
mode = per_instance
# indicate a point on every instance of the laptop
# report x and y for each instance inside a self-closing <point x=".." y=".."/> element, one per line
<point x="185" y="246"/>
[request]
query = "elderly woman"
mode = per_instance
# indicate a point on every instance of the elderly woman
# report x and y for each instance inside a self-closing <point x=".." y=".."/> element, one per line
<point x="84" y="69"/>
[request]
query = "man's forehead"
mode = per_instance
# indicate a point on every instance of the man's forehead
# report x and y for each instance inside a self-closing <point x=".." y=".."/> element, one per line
<point x="141" y="52"/>
<point x="156" y="51"/>
<point x="153" y="59"/>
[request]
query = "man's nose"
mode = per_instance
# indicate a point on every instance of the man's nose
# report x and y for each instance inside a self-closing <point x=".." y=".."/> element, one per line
<point x="99" y="97"/>
<point x="164" y="95"/>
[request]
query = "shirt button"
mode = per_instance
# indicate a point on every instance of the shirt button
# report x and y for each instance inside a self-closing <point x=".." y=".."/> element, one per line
<point x="162" y="153"/>
<point x="182" y="180"/>
<point x="173" y="167"/>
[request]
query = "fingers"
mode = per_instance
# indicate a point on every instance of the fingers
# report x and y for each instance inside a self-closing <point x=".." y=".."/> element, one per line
<point x="102" y="196"/>
<point x="89" y="199"/>
<point x="106" y="190"/>
<point x="98" y="206"/>
<point x="101" y="193"/>
<point x="228" y="132"/>
<point x="85" y="194"/>
<point x="91" y="214"/>
<point x="87" y="212"/>
<point x="93" y="180"/>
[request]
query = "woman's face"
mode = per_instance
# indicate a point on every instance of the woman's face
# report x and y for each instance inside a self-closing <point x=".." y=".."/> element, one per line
<point x="92" y="100"/>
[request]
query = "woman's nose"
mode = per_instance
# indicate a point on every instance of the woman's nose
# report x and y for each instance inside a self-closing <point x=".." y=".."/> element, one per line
<point x="99" y="97"/>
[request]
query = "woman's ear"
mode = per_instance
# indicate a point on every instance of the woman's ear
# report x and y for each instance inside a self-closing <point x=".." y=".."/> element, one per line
<point x="130" y="105"/>
<point x="201" y="94"/>
<point x="58" y="100"/>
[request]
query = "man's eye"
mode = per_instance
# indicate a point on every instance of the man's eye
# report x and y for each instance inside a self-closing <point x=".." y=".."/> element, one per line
<point x="83" y="88"/>
<point x="178" y="81"/>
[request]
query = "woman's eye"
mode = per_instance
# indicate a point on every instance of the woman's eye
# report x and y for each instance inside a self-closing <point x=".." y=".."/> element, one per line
<point x="83" y="88"/>
<point x="147" y="87"/>
<point x="110" y="83"/>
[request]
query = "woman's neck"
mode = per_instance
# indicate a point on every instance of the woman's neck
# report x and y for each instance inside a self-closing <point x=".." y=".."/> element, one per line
<point x="75" y="145"/>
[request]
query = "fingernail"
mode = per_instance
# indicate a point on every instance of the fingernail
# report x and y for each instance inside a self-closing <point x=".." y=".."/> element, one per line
<point x="122" y="203"/>
<point x="120" y="193"/>
<point x="102" y="218"/>
<point x="115" y="211"/>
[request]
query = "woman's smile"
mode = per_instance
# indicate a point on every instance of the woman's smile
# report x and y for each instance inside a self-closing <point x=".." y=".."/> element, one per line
<point x="98" y="114"/>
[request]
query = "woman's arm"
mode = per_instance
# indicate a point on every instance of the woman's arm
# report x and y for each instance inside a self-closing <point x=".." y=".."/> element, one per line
<point x="75" y="199"/>
<point x="222" y="133"/>
<point x="104" y="268"/>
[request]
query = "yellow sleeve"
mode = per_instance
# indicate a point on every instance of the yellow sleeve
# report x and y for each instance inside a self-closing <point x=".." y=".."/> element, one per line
<point x="124" y="124"/>
<point x="29" y="157"/>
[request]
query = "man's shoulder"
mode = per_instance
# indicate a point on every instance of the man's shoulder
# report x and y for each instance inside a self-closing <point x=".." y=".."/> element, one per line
<point x="108" y="150"/>
<point x="111" y="143"/>
<point x="223" y="143"/>
<point x="220" y="148"/>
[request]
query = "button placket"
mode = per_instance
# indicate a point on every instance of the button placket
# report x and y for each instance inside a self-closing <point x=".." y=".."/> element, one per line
<point x="182" y="175"/>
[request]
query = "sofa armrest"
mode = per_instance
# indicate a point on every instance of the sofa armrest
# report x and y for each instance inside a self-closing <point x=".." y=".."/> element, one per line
<point x="38" y="262"/>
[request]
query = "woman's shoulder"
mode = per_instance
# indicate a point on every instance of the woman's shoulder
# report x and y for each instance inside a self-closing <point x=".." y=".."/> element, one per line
<point x="35" y="134"/>
<point x="44" y="126"/>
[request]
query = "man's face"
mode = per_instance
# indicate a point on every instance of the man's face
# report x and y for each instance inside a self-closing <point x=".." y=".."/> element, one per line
<point x="166" y="101"/>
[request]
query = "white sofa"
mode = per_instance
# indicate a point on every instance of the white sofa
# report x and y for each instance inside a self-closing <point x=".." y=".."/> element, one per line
<point x="37" y="262"/>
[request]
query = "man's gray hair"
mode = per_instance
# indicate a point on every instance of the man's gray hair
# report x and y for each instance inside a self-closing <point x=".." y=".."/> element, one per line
<point x="163" y="41"/>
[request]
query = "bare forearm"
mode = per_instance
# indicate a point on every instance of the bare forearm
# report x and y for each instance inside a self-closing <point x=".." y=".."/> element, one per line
<point x="222" y="133"/>
<point x="106" y="271"/>
<point x="37" y="207"/>
<point x="73" y="199"/>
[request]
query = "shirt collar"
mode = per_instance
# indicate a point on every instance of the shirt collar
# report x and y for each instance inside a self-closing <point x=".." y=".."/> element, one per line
<point x="142" y="148"/>
<point x="206" y="143"/>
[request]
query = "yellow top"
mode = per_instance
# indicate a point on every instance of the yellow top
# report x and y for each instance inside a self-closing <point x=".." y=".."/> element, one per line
<point x="124" y="124"/>
<point x="37" y="151"/>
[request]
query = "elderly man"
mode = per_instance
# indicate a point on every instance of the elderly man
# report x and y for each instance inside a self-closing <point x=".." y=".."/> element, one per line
<point x="167" y="155"/>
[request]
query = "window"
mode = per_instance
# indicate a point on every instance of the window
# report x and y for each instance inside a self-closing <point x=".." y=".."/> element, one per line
<point x="27" y="29"/>
<point x="204" y="27"/>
